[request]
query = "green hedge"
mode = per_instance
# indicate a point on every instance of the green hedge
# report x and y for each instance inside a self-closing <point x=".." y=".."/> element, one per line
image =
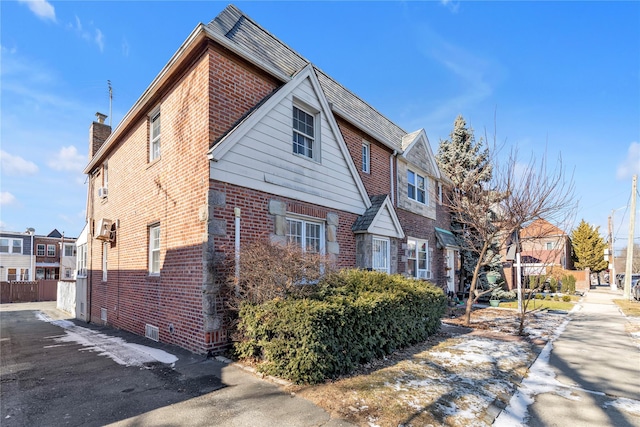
<point x="353" y="317"/>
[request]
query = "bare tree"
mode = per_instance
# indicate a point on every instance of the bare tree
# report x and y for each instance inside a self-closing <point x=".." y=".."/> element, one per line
<point x="491" y="211"/>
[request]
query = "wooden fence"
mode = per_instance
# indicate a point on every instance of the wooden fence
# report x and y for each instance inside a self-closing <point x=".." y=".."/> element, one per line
<point x="41" y="290"/>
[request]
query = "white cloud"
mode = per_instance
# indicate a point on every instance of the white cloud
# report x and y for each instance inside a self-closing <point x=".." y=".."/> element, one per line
<point x="631" y="165"/>
<point x="125" y="47"/>
<point x="453" y="6"/>
<point x="86" y="34"/>
<point x="68" y="159"/>
<point x="6" y="198"/>
<point x="16" y="165"/>
<point x="41" y="8"/>
<point x="99" y="39"/>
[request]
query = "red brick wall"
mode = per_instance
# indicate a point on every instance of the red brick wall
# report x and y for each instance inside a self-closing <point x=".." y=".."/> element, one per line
<point x="257" y="223"/>
<point x="171" y="191"/>
<point x="378" y="181"/>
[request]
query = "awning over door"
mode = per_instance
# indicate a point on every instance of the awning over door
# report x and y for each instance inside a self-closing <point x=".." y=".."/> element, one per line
<point x="446" y="239"/>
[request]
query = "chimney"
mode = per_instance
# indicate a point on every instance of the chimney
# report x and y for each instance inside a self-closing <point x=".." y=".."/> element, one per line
<point x="98" y="134"/>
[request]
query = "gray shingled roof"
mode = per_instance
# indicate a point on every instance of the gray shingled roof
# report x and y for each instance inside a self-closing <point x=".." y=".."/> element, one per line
<point x="363" y="222"/>
<point x="233" y="24"/>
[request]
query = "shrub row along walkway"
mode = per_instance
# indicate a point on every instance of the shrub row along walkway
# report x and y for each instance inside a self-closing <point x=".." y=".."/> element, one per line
<point x="589" y="376"/>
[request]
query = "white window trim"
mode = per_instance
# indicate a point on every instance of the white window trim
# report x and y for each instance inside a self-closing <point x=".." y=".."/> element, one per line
<point x="387" y="255"/>
<point x="304" y="222"/>
<point x="10" y="247"/>
<point x="44" y="249"/>
<point x="425" y="179"/>
<point x="155" y="114"/>
<point x="366" y="157"/>
<point x="420" y="273"/>
<point x="81" y="261"/>
<point x="153" y="249"/>
<point x="49" y="251"/>
<point x="315" y="138"/>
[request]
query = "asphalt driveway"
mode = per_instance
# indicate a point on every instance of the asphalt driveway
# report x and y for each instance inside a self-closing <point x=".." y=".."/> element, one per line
<point x="67" y="375"/>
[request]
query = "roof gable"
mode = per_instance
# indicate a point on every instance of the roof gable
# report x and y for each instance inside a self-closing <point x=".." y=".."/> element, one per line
<point x="379" y="219"/>
<point x="541" y="228"/>
<point x="241" y="30"/>
<point x="305" y="87"/>
<point x="417" y="151"/>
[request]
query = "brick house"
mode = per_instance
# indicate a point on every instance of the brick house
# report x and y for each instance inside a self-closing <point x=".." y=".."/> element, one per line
<point x="544" y="245"/>
<point x="240" y="138"/>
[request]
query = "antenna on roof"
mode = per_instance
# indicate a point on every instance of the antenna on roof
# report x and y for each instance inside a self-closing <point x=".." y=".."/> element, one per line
<point x="110" y="99"/>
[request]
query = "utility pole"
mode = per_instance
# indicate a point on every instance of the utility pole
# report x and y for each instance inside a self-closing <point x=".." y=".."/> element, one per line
<point x="632" y="220"/>
<point x="612" y="259"/>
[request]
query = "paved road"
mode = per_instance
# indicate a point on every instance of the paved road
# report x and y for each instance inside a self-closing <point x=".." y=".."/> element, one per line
<point x="53" y="375"/>
<point x="589" y="376"/>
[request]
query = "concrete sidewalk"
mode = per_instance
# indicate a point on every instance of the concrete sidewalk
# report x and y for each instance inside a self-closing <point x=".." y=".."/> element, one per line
<point x="588" y="376"/>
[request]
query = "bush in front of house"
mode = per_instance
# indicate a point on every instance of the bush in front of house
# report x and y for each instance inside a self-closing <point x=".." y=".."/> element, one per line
<point x="569" y="283"/>
<point x="352" y="317"/>
<point x="566" y="298"/>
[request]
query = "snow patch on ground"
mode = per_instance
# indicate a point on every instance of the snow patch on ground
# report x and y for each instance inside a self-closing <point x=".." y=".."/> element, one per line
<point x="117" y="349"/>
<point x="626" y="405"/>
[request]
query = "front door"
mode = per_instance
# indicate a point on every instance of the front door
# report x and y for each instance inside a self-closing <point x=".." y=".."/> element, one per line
<point x="451" y="270"/>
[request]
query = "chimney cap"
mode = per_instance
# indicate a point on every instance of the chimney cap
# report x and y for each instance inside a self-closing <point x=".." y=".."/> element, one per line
<point x="101" y="117"/>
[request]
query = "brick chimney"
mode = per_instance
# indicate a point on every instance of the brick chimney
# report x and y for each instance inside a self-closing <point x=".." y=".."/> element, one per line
<point x="98" y="134"/>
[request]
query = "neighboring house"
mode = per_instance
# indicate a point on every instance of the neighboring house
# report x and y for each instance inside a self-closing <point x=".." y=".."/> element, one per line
<point x="17" y="263"/>
<point x="55" y="257"/>
<point x="240" y="138"/>
<point x="543" y="245"/>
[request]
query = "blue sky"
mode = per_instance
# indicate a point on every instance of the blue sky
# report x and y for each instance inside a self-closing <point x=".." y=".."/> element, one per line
<point x="557" y="76"/>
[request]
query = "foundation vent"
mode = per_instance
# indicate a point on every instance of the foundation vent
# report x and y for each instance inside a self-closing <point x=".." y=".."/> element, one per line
<point x="152" y="332"/>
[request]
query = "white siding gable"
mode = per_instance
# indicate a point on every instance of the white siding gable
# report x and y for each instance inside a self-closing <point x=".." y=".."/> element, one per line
<point x="386" y="223"/>
<point x="258" y="154"/>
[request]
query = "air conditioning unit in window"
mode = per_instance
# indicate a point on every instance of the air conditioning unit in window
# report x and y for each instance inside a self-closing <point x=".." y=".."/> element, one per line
<point x="102" y="192"/>
<point x="424" y="274"/>
<point x="103" y="230"/>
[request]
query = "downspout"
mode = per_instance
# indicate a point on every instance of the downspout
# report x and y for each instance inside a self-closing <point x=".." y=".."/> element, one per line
<point x="236" y="211"/>
<point x="90" y="243"/>
<point x="392" y="177"/>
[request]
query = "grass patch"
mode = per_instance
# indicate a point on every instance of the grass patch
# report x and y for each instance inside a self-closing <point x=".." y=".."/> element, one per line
<point x="538" y="304"/>
<point x="629" y="308"/>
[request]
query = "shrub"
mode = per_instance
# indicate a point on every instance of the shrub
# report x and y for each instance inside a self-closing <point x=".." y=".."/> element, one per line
<point x="547" y="298"/>
<point x="569" y="283"/>
<point x="553" y="285"/>
<point x="351" y="317"/>
<point x="539" y="296"/>
<point x="556" y="298"/>
<point x="566" y="298"/>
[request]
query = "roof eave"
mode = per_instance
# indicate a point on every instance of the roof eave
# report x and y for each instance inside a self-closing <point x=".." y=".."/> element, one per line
<point x="199" y="33"/>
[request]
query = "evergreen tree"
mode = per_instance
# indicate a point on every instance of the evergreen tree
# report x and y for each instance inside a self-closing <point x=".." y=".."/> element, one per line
<point x="463" y="159"/>
<point x="588" y="248"/>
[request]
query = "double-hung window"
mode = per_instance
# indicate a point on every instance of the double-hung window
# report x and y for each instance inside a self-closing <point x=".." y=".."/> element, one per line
<point x="417" y="187"/>
<point x="154" y="250"/>
<point x="11" y="246"/>
<point x="380" y="253"/>
<point x="418" y="259"/>
<point x="82" y="260"/>
<point x="303" y="133"/>
<point x="40" y="250"/>
<point x="154" y="136"/>
<point x="308" y="235"/>
<point x="366" y="157"/>
<point x="69" y="249"/>
<point x="51" y="250"/>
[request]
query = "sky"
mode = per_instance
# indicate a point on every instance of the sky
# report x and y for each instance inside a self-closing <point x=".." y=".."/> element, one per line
<point x="554" y="79"/>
